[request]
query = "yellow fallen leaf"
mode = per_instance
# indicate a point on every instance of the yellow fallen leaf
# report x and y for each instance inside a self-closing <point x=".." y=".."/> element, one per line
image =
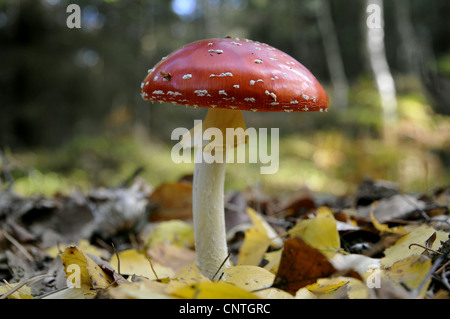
<point x="402" y="249"/>
<point x="176" y="232"/>
<point x="257" y="240"/>
<point x="133" y="262"/>
<point x="254" y="279"/>
<point x="385" y="228"/>
<point x="304" y="293"/>
<point x="325" y="286"/>
<point x="328" y="287"/>
<point x="83" y="274"/>
<point x="190" y="275"/>
<point x="82" y="245"/>
<point x="213" y="290"/>
<point x="253" y="248"/>
<point x="140" y="288"/>
<point x="273" y="260"/>
<point x="264" y="228"/>
<point x="273" y="293"/>
<point x="248" y="277"/>
<point x="410" y="272"/>
<point x="23" y="292"/>
<point x="319" y="232"/>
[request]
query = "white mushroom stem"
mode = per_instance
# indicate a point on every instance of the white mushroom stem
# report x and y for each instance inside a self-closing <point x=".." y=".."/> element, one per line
<point x="209" y="218"/>
<point x="208" y="194"/>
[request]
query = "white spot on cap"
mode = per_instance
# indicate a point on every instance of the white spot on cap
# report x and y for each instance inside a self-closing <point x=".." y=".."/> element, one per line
<point x="294" y="102"/>
<point x="222" y="92"/>
<point x="187" y="76"/>
<point x="271" y="94"/>
<point x="150" y="70"/>
<point x="221" y="75"/>
<point x="155" y="78"/>
<point x="233" y="107"/>
<point x="201" y="92"/>
<point x="215" y="51"/>
<point x="254" y="110"/>
<point x="236" y="86"/>
<point x="210" y="44"/>
<point x="236" y="43"/>
<point x="305" y="96"/>
<point x="173" y="93"/>
<point x="290" y="110"/>
<point x="158" y="92"/>
<point x="305" y="108"/>
<point x="252" y="82"/>
<point x="249" y="99"/>
<point x="258" y="61"/>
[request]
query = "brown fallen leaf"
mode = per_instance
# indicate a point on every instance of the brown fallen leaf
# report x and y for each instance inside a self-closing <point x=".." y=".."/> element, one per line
<point x="172" y="256"/>
<point x="172" y="201"/>
<point x="300" y="265"/>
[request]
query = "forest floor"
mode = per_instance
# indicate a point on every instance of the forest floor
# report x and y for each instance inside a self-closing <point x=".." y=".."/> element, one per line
<point x="136" y="241"/>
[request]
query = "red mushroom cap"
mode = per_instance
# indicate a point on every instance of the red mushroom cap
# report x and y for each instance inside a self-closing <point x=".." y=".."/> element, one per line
<point x="235" y="74"/>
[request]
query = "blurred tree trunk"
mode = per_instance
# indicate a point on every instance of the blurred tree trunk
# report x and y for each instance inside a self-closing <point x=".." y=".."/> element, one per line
<point x="332" y="54"/>
<point x="143" y="113"/>
<point x="380" y="67"/>
<point x="420" y="59"/>
<point x="407" y="37"/>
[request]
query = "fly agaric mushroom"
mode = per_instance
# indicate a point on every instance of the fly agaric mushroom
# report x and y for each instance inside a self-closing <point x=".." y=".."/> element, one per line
<point x="228" y="75"/>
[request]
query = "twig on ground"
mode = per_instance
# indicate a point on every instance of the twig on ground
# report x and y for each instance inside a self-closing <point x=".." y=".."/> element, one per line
<point x="13" y="241"/>
<point x="23" y="283"/>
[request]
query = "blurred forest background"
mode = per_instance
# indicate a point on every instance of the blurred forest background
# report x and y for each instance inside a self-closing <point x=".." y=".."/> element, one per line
<point x="71" y="114"/>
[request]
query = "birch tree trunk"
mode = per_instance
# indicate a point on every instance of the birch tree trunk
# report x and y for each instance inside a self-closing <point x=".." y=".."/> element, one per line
<point x="380" y="68"/>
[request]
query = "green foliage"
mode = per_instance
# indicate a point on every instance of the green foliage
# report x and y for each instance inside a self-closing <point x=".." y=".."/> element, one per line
<point x="443" y="65"/>
<point x="88" y="162"/>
